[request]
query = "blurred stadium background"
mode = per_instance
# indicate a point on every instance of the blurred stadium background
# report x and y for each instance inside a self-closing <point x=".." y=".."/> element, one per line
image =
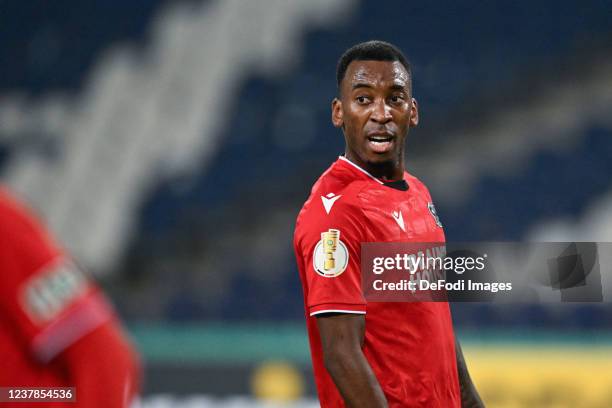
<point x="170" y="145"/>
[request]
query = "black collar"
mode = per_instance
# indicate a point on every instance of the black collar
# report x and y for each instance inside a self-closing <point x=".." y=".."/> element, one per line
<point x="401" y="185"/>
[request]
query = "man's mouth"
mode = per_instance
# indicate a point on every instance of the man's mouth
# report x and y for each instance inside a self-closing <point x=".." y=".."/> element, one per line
<point x="380" y="143"/>
<point x="380" y="139"/>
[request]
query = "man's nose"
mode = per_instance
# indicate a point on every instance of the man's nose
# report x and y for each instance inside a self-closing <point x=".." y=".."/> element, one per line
<point x="381" y="112"/>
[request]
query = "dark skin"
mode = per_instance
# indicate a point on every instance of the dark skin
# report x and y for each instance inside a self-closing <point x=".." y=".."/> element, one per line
<point x="376" y="102"/>
<point x="375" y="110"/>
<point x="342" y="337"/>
<point x="469" y="395"/>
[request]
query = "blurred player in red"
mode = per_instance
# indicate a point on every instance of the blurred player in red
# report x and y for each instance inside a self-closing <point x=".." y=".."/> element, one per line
<point x="56" y="327"/>
<point x="374" y="354"/>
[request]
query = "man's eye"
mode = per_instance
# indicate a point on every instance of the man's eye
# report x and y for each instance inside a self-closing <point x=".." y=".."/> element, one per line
<point x="397" y="98"/>
<point x="362" y="99"/>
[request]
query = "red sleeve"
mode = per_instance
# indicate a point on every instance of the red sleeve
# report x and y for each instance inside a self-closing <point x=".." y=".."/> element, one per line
<point x="329" y="246"/>
<point x="46" y="299"/>
<point x="103" y="368"/>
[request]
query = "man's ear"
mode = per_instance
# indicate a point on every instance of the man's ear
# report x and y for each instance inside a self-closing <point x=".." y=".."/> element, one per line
<point x="337" y="115"/>
<point x="414" y="113"/>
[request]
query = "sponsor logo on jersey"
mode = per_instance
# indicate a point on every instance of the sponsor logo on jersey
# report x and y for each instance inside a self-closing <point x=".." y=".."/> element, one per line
<point x="330" y="256"/>
<point x="434" y="214"/>
<point x="50" y="292"/>
<point x="329" y="200"/>
<point x="397" y="216"/>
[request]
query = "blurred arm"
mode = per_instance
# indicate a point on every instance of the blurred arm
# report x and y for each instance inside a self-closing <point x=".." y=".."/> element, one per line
<point x="103" y="368"/>
<point x="342" y="337"/>
<point x="469" y="394"/>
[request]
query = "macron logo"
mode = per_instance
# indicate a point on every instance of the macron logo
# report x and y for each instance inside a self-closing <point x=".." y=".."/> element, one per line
<point x="397" y="216"/>
<point x="329" y="200"/>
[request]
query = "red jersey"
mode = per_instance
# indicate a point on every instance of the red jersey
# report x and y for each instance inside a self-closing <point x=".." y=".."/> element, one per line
<point x="410" y="346"/>
<point x="46" y="303"/>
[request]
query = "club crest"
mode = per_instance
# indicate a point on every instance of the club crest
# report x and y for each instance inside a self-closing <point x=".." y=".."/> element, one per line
<point x="434" y="214"/>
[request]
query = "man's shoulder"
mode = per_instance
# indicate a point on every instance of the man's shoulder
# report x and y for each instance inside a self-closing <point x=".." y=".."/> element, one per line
<point x="334" y="197"/>
<point x="21" y="232"/>
<point x="13" y="213"/>
<point x="416" y="184"/>
<point x="335" y="186"/>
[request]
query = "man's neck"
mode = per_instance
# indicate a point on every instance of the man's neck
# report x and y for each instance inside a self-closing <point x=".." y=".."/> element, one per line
<point x="384" y="171"/>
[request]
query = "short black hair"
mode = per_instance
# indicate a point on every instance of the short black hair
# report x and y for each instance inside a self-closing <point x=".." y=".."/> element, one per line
<point x="374" y="50"/>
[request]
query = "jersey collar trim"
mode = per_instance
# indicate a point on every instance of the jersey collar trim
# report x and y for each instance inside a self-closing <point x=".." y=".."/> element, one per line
<point x="401" y="185"/>
<point x="360" y="169"/>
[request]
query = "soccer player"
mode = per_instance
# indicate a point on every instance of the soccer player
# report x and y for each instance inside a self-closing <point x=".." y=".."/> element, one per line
<point x="374" y="354"/>
<point x="56" y="328"/>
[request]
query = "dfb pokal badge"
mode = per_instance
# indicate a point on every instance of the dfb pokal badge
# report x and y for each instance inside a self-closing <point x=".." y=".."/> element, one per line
<point x="330" y="255"/>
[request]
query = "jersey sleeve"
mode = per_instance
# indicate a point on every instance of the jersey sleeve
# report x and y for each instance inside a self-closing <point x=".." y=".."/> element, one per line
<point x="329" y="247"/>
<point x="46" y="300"/>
